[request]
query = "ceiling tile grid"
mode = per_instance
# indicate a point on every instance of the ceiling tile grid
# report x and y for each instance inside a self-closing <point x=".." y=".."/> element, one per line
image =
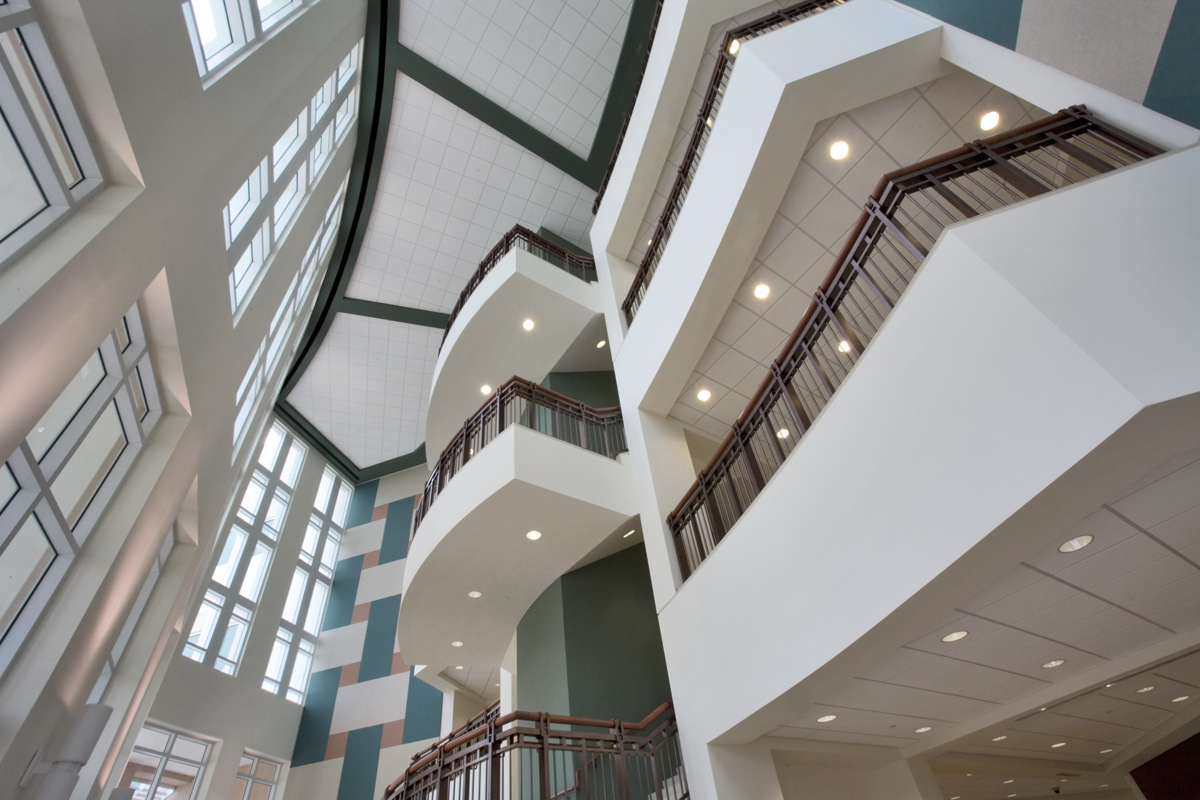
<point x="449" y="190"/>
<point x="821" y="205"/>
<point x="548" y="62"/>
<point x="483" y="681"/>
<point x="367" y="388"/>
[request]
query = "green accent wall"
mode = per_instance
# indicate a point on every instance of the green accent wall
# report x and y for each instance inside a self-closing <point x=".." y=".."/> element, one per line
<point x="609" y="659"/>
<point x="995" y="20"/>
<point x="423" y="711"/>
<point x="361" y="764"/>
<point x="342" y="594"/>
<point x="397" y="527"/>
<point x="542" y="655"/>
<point x="380" y="639"/>
<point x="1174" y="89"/>
<point x="312" y="737"/>
<point x="362" y="504"/>
<point x="597" y="389"/>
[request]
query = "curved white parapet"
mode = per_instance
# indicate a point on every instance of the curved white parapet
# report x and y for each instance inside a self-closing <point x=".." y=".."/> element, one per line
<point x="488" y="345"/>
<point x="474" y="540"/>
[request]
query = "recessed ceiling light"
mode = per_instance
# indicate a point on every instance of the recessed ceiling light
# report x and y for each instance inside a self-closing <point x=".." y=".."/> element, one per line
<point x="1010" y="780"/>
<point x="844" y="346"/>
<point x="631" y="533"/>
<point x="649" y="242"/>
<point x="474" y="595"/>
<point x="1012" y="795"/>
<point x="923" y="729"/>
<point x="1181" y="699"/>
<point x="999" y="738"/>
<point x="703" y="395"/>
<point x="41" y="429"/>
<point x="782" y="433"/>
<point x="485" y="389"/>
<point x="762" y="291"/>
<point x="1058" y="662"/>
<point x="458" y="667"/>
<point x="734" y="46"/>
<point x="827" y="718"/>
<point x="709" y="122"/>
<point x="839" y="150"/>
<point x="1145" y="689"/>
<point x="954" y="637"/>
<point x="600" y="344"/>
<point x="527" y="324"/>
<point x="989" y="120"/>
<point x="1043" y="708"/>
<point x="1109" y="685"/>
<point x="1109" y="750"/>
<point x="1078" y="543"/>
<point x="1059" y="744"/>
<point x="497" y="685"/>
<point x="533" y="536"/>
<point x="456" y="644"/>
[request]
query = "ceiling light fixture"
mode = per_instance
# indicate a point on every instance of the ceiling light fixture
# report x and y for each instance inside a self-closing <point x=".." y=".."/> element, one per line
<point x="839" y="150"/>
<point x="954" y="637"/>
<point x="734" y="46"/>
<point x="762" y="291"/>
<point x="631" y="533"/>
<point x="533" y="536"/>
<point x="1059" y="744"/>
<point x="485" y="389"/>
<point x="999" y="738"/>
<point x="1058" y="662"/>
<point x="1109" y="685"/>
<point x="1181" y="699"/>
<point x="474" y="595"/>
<point x="456" y="644"/>
<point x="709" y="122"/>
<point x="527" y="324"/>
<point x="1145" y="689"/>
<point x="600" y="344"/>
<point x="1078" y="543"/>
<point x="827" y="718"/>
<point x="844" y="346"/>
<point x="703" y="395"/>
<point x="923" y="729"/>
<point x="1010" y="780"/>
<point x="458" y="667"/>
<point x="1012" y="795"/>
<point x="782" y="433"/>
<point x="989" y="120"/>
<point x="1109" y="750"/>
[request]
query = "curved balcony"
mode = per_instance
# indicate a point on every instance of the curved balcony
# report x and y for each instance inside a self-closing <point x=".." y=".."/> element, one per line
<point x="529" y="460"/>
<point x="524" y="277"/>
<point x="903" y="220"/>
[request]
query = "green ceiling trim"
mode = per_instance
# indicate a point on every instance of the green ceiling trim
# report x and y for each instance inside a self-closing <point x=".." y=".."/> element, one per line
<point x="370" y="308"/>
<point x="492" y="114"/>
<point x="565" y="244"/>
<point x="414" y="459"/>
<point x="317" y="440"/>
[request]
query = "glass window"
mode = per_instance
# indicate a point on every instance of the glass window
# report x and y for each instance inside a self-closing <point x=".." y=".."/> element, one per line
<point x="26" y="557"/>
<point x="291" y="607"/>
<point x="164" y="764"/>
<point x="291" y="466"/>
<point x="289" y="201"/>
<point x="64" y="409"/>
<point x="231" y="556"/>
<point x="248" y="266"/>
<point x="213" y="30"/>
<point x="80" y="478"/>
<point x="271" y="445"/>
<point x="8" y="486"/>
<point x="22" y="199"/>
<point x="345" y="114"/>
<point x="287" y="145"/>
<point x="323" y="99"/>
<point x="256" y="779"/>
<point x="256" y="573"/>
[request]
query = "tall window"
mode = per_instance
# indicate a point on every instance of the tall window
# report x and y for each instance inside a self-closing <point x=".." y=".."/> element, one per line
<point x="220" y="29"/>
<point x="259" y="215"/>
<point x="222" y="625"/>
<point x="46" y="163"/>
<point x="256" y="779"/>
<point x="304" y="610"/>
<point x="164" y="764"/>
<point x="56" y="485"/>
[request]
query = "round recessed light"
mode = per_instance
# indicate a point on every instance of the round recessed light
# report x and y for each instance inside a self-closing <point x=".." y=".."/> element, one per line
<point x="527" y="324"/>
<point x="762" y="291"/>
<point x="839" y="150"/>
<point x="1012" y="795"/>
<point x="41" y="429"/>
<point x="474" y="595"/>
<point x="1109" y="750"/>
<point x="734" y="46"/>
<point x="649" y="242"/>
<point x="497" y="685"/>
<point x="1145" y="689"/>
<point x="600" y="344"/>
<point x="456" y="644"/>
<point x="631" y="533"/>
<point x="954" y="637"/>
<point x="485" y="389"/>
<point x="1078" y="543"/>
<point x="923" y="729"/>
<point x="458" y="667"/>
<point x="989" y="120"/>
<point x="533" y="536"/>
<point x="782" y="433"/>
<point x="827" y="718"/>
<point x="1181" y="698"/>
<point x="703" y="395"/>
<point x="1109" y="685"/>
<point x="844" y="346"/>
<point x="1043" y="708"/>
<point x="1058" y="662"/>
<point x="999" y="738"/>
<point x="1059" y="744"/>
<point x="1010" y="780"/>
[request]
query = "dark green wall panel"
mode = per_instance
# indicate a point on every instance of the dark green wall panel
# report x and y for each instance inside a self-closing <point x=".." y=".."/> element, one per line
<point x="396" y="530"/>
<point x="361" y="764"/>
<point x="542" y="656"/>
<point x="597" y="389"/>
<point x="343" y="593"/>
<point x="312" y="736"/>
<point x="995" y="20"/>
<point x="362" y="504"/>
<point x="423" y="713"/>
<point x="380" y="642"/>
<point x="1175" y="86"/>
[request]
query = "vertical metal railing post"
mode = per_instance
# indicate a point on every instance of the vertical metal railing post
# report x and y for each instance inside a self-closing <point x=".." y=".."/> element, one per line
<point x="544" y="754"/>
<point x="622" y="769"/>
<point x="493" y="761"/>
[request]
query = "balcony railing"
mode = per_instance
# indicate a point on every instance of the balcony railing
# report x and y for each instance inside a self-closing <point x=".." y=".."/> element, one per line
<point x="705" y="119"/>
<point x="526" y="756"/>
<point x="522" y="402"/>
<point x="903" y="218"/>
<point x="520" y="238"/>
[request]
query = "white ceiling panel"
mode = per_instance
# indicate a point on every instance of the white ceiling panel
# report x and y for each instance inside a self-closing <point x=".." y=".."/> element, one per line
<point x="548" y="62"/>
<point x="449" y="190"/>
<point x="367" y="388"/>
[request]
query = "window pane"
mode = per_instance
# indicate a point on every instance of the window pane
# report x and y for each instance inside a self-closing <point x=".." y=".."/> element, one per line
<point x="256" y="572"/>
<point x="266" y="771"/>
<point x="260" y="791"/>
<point x="245" y="765"/>
<point x="299" y="681"/>
<point x="212" y="25"/>
<point x="346" y="68"/>
<point x="323" y="491"/>
<point x="275" y="664"/>
<point x="8" y="486"/>
<point x="235" y="638"/>
<point x="231" y="554"/>
<point x="289" y="201"/>
<point x="308" y="549"/>
<point x="329" y="555"/>
<point x="135" y="391"/>
<point x="88" y="466"/>
<point x="316" y="608"/>
<point x="153" y="739"/>
<point x="204" y="626"/>
<point x="270" y="449"/>
<point x="179" y="778"/>
<point x="123" y="338"/>
<point x="342" y="506"/>
<point x="60" y="414"/>
<point x="252" y="499"/>
<point x="288" y="144"/>
<point x="22" y="564"/>
<point x="22" y="198"/>
<point x="30" y="83"/>
<point x="291" y="607"/>
<point x="189" y="749"/>
<point x="239" y="789"/>
<point x="291" y="467"/>
<point x="275" y="514"/>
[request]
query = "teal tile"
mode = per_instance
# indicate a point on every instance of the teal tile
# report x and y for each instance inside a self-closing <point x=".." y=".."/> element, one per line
<point x="380" y="640"/>
<point x="422" y="712"/>
<point x="343" y="593"/>
<point x="362" y="504"/>
<point x="995" y="20"/>
<point x="1174" y="90"/>
<point x="313" y="734"/>
<point x="361" y="764"/>
<point x="396" y="530"/>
